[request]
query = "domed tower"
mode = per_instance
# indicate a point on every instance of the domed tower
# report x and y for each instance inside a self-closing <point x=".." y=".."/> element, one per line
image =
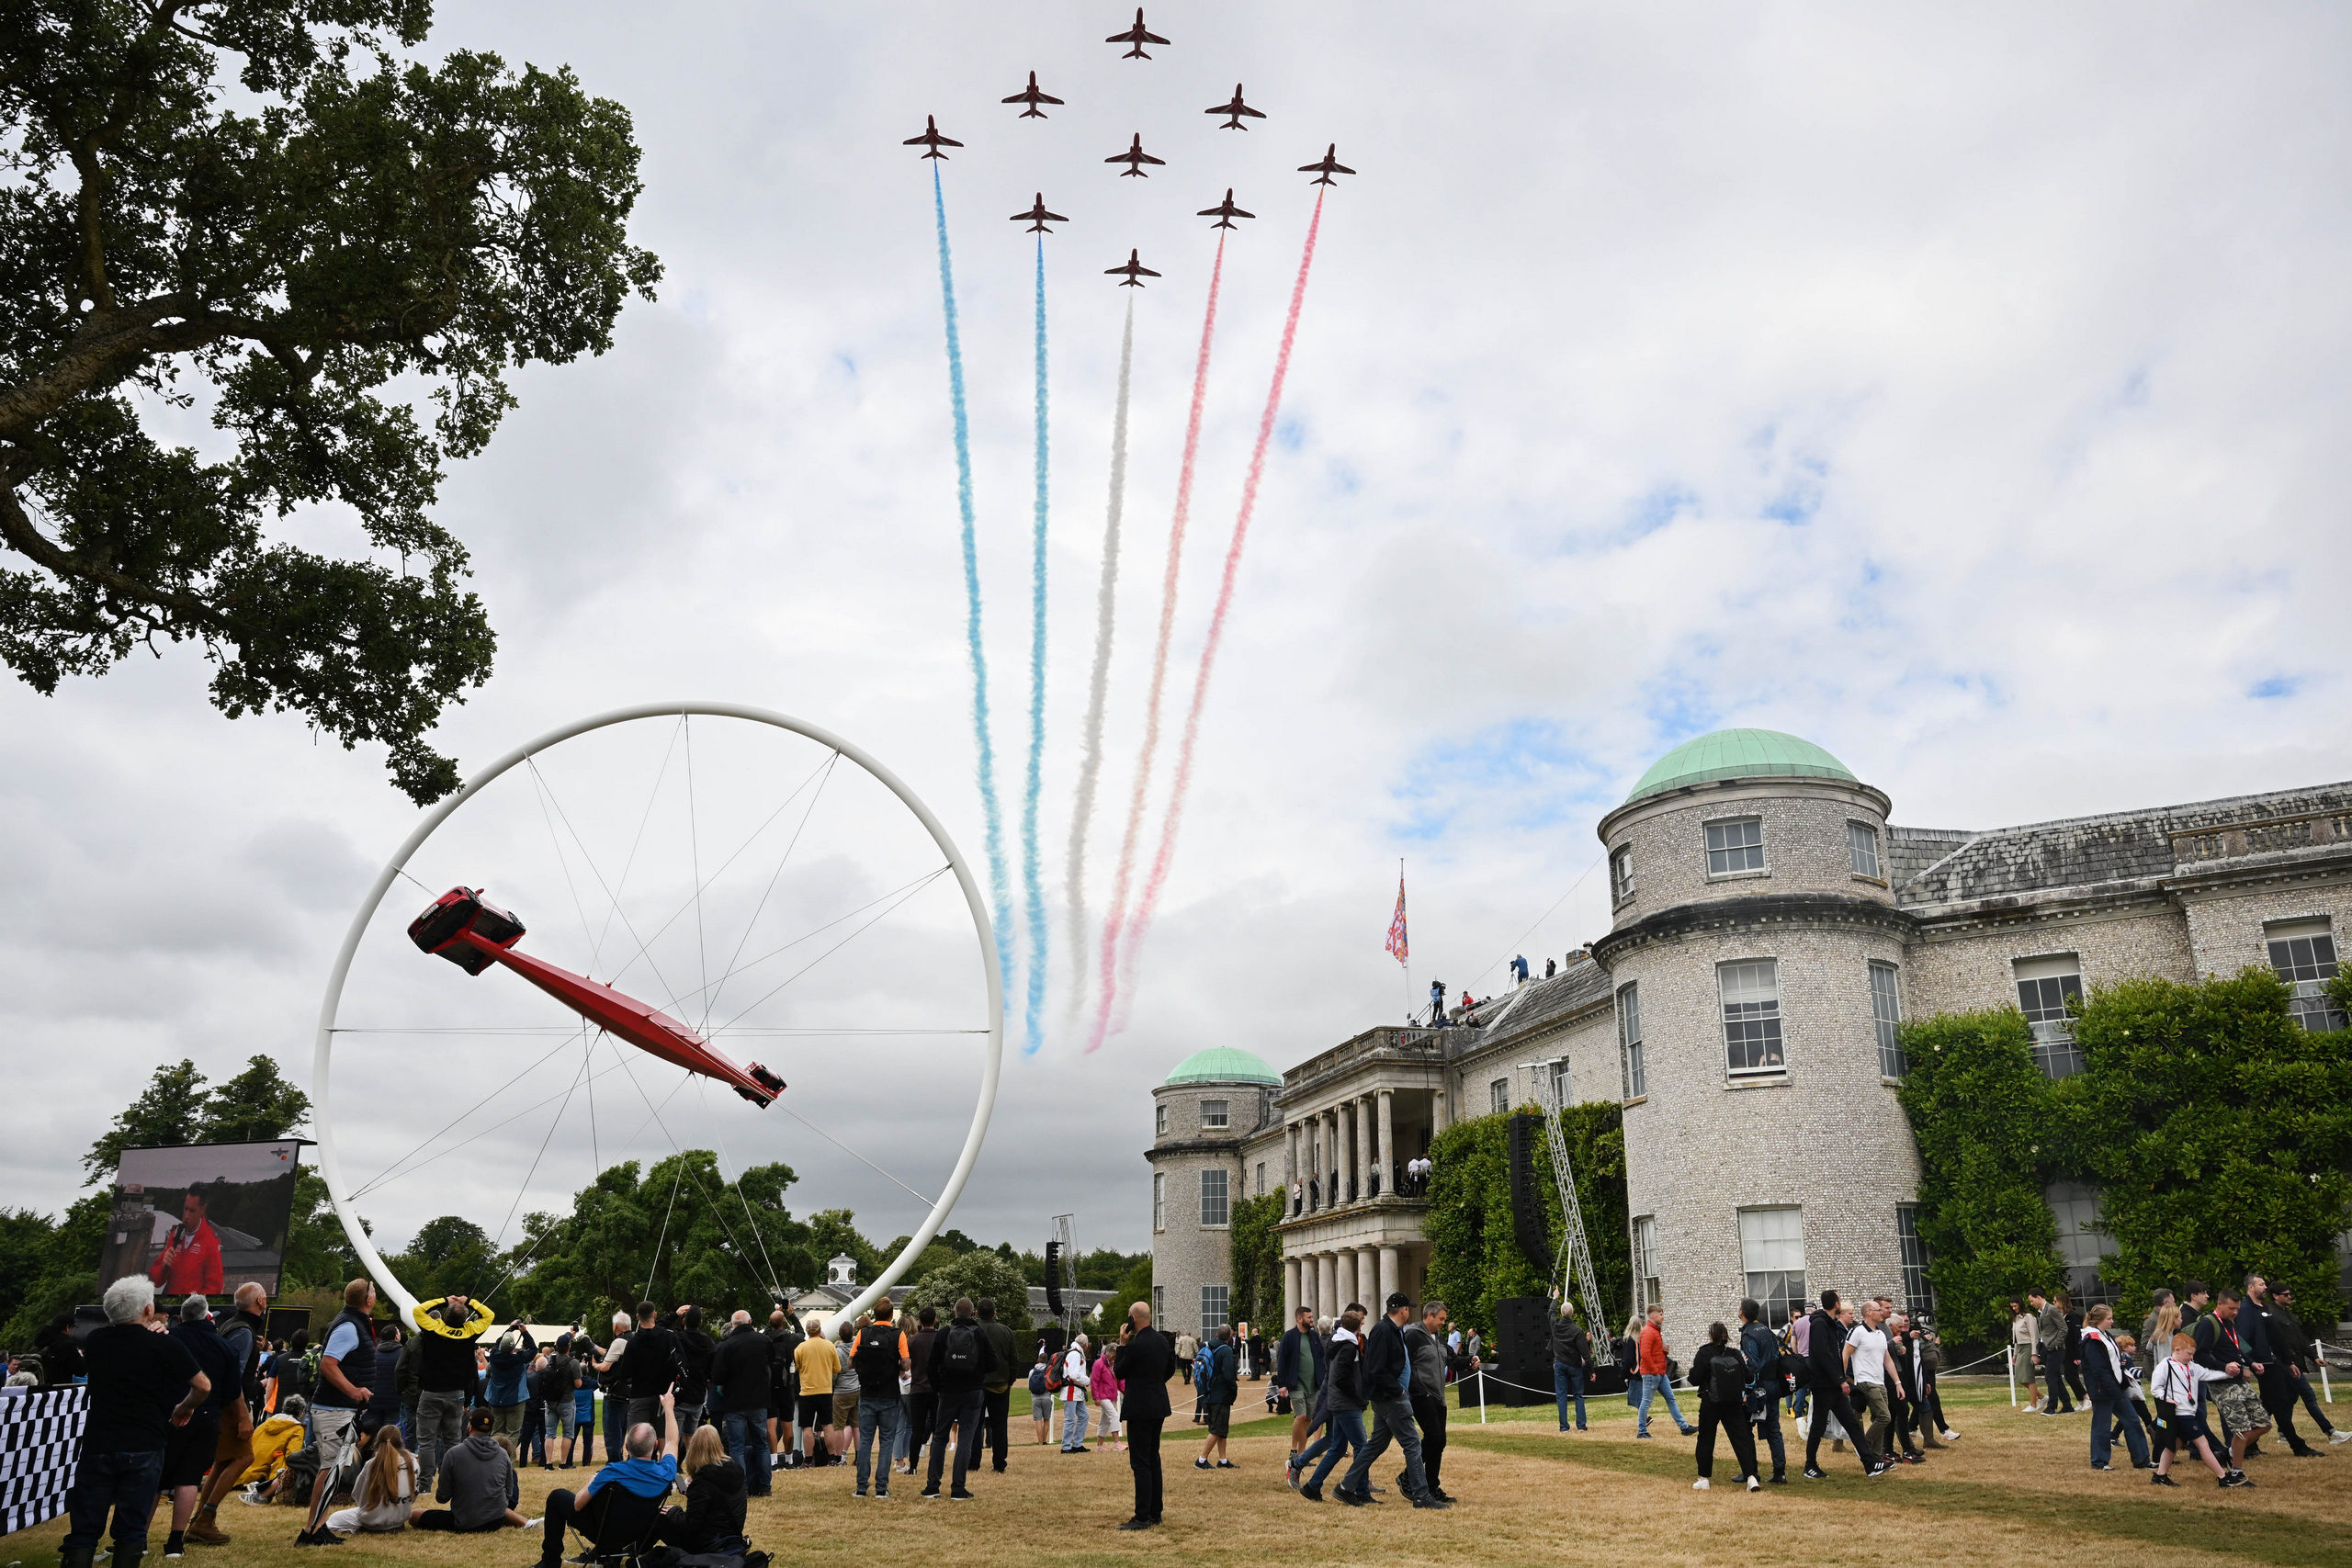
<point x="1214" y="1102"/>
<point x="1756" y="953"/>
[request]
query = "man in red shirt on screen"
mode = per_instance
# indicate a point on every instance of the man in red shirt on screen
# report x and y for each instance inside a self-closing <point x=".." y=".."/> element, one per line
<point x="190" y="1261"/>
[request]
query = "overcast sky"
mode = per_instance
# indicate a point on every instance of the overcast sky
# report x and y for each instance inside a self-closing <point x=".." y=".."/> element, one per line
<point x="1963" y="391"/>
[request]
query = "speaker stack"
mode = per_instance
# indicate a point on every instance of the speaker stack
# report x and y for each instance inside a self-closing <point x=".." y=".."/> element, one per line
<point x="1522" y="1351"/>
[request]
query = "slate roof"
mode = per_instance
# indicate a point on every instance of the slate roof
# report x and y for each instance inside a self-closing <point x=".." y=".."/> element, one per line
<point x="1910" y="851"/>
<point x="2090" y="852"/>
<point x="1542" y="1002"/>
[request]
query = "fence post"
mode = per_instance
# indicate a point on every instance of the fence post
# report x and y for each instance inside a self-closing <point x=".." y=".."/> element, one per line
<point x="2011" y="1358"/>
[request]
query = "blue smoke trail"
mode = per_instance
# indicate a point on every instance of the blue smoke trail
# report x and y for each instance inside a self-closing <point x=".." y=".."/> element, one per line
<point x="1000" y="884"/>
<point x="1031" y="884"/>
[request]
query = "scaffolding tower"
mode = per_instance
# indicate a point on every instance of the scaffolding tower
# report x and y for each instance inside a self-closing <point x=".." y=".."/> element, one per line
<point x="1576" y="1276"/>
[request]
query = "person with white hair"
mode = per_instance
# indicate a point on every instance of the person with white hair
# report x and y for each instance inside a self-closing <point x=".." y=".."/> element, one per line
<point x="1075" y="1384"/>
<point x="143" y="1384"/>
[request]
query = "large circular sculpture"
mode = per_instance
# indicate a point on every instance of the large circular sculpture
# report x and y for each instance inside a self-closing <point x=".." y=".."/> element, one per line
<point x="484" y="942"/>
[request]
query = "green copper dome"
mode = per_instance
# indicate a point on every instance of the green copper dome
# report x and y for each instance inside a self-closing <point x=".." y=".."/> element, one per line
<point x="1224" y="1064"/>
<point x="1739" y="754"/>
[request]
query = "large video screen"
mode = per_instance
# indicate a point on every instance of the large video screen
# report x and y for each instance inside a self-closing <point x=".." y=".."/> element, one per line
<point x="203" y="1219"/>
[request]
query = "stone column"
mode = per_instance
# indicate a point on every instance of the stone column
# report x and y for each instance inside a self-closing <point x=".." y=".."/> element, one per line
<point x="1291" y="1297"/>
<point x="1355" y="1146"/>
<point x="1346" y="1279"/>
<point x="1327" y="1287"/>
<point x="1368" y="1276"/>
<point x="1390" y="1277"/>
<point x="1388" y="1152"/>
<point x="1330" y="1160"/>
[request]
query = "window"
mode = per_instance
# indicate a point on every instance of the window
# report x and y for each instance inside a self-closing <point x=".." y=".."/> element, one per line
<point x="1629" y="1040"/>
<point x="2045" y="986"/>
<point x="2081" y="1242"/>
<point x="1751" y="999"/>
<point x="1217" y="1114"/>
<point x="1262" y="1179"/>
<point x="1498" y="1095"/>
<point x="1215" y="1197"/>
<point x="1862" y="838"/>
<point x="1645" y="1280"/>
<point x="1159" y="1200"/>
<point x="1159" y="1304"/>
<point x="2304" y="952"/>
<point x="1213" y="1305"/>
<point x="1621" y="875"/>
<point x="1916" y="1296"/>
<point x="1559" y="1081"/>
<point x="1772" y="1250"/>
<point x="1734" y="846"/>
<point x="1160" y="1123"/>
<point x="1886" y="1018"/>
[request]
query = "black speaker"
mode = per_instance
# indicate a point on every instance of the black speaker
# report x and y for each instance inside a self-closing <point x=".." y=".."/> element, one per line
<point x="1522" y="1358"/>
<point x="1526" y="1196"/>
<point x="1053" y="1278"/>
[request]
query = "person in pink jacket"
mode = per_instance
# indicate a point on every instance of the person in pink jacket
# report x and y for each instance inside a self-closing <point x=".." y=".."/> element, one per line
<point x="1106" y="1389"/>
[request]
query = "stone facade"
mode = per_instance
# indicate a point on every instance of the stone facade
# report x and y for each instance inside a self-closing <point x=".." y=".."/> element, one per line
<point x="1756" y="1062"/>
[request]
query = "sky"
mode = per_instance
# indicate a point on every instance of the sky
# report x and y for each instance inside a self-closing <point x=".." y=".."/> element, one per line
<point x="1962" y="390"/>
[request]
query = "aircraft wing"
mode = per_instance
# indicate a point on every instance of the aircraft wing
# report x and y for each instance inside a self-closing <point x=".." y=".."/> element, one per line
<point x="1149" y="159"/>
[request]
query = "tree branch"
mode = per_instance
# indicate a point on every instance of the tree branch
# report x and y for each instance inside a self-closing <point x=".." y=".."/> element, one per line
<point x="16" y="529"/>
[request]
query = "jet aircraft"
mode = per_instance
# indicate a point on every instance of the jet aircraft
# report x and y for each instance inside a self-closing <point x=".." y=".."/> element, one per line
<point x="1224" y="212"/>
<point x="1134" y="158"/>
<point x="1032" y="97"/>
<point x="1237" y="108"/>
<point x="1136" y="36"/>
<point x="1037" y="217"/>
<point x="1134" y="270"/>
<point x="1325" y="167"/>
<point x="931" y="138"/>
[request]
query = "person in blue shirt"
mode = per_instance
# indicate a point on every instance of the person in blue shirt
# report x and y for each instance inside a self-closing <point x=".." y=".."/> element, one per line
<point x="650" y="1472"/>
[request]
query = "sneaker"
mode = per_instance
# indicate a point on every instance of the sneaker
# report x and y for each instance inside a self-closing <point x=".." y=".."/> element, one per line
<point x="2307" y="1451"/>
<point x="1699" y="1484"/>
<point x="1641" y="1434"/>
<point x="1754" y="1484"/>
<point x="251" y="1494"/>
<point x="2235" y="1478"/>
<point x="1949" y="1436"/>
<point x="1290" y="1472"/>
<point x="1815" y="1472"/>
<point x="1227" y="1464"/>
<point x="2162" y="1481"/>
<point x="859" y="1493"/>
<point x="930" y="1494"/>
<point x="2102" y="1467"/>
<point x="1430" y="1500"/>
<point x="320" y="1537"/>
<point x="959" y="1495"/>
<point x="1351" y="1499"/>
<point x="1881" y="1468"/>
<point x="1779" y="1479"/>
<point x="176" y="1544"/>
<point x="1689" y="1431"/>
<point x="2341" y="1435"/>
<point x="1197" y="1464"/>
<point x="1311" y="1492"/>
<point x="881" y="1496"/>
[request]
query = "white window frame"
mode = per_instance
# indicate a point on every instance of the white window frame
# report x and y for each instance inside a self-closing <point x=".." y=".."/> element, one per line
<point x="1159" y="1305"/>
<point x="1752" y="1026"/>
<point x="1216" y="1307"/>
<point x="1621" y="873"/>
<point x="2302" y="953"/>
<point x="1499" y="1096"/>
<point x="1222" y="1197"/>
<point x="2082" y="1242"/>
<point x="1863" y="845"/>
<point x="1635" y="1080"/>
<point x="1737" y="854"/>
<point x="1159" y="1122"/>
<point x="1886" y="1018"/>
<point x="1648" y="1286"/>
<point x="1562" y="1085"/>
<point x="1262" y="1179"/>
<point x="1217" y="1115"/>
<point x="1159" y="1200"/>
<point x="2045" y="983"/>
<point x="1771" y="1258"/>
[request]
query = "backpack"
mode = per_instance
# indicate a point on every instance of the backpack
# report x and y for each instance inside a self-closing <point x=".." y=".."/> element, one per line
<point x="1055" y="1381"/>
<point x="1203" y="1363"/>
<point x="1795" y="1370"/>
<point x="1727" y="1376"/>
<point x="963" y="1348"/>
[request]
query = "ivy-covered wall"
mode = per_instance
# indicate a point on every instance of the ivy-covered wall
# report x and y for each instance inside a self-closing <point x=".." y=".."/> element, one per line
<point x="2218" y="1130"/>
<point x="1257" y="1298"/>
<point x="1475" y="1258"/>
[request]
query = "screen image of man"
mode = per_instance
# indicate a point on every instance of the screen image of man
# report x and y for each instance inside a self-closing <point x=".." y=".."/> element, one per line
<point x="190" y="1261"/>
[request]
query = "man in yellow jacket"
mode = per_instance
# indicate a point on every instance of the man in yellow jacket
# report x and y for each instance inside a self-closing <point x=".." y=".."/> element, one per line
<point x="445" y="1377"/>
<point x="274" y="1440"/>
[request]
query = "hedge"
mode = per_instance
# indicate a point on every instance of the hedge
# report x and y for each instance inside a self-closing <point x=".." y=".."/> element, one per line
<point x="1474" y="1260"/>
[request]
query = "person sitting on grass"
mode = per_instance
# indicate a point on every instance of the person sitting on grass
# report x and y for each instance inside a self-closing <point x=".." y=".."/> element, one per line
<point x="275" y="1440"/>
<point x="650" y="1472"/>
<point x="712" y="1520"/>
<point x="2180" y="1423"/>
<point x="387" y="1487"/>
<point x="478" y="1481"/>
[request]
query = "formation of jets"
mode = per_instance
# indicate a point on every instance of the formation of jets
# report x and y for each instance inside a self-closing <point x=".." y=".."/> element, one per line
<point x="1134" y="270"/>
<point x="1236" y="110"/>
<point x="1132" y="273"/>
<point x="1136" y="36"/>
<point x="1134" y="158"/>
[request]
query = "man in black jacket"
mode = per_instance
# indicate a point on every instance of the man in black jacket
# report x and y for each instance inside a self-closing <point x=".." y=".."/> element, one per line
<point x="647" y="1370"/>
<point x="1144" y="1365"/>
<point x="2259" y="1324"/>
<point x="784" y="1338"/>
<point x="1425" y="1344"/>
<point x="1387" y="1373"/>
<point x="996" y="1394"/>
<point x="1833" y="1390"/>
<point x="1571" y="1361"/>
<point x="961" y="1360"/>
<point x="2294" y="1348"/>
<point x="693" y="1349"/>
<point x="739" y="1371"/>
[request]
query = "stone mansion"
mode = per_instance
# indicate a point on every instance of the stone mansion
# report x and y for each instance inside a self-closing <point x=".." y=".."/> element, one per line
<point x="1771" y="929"/>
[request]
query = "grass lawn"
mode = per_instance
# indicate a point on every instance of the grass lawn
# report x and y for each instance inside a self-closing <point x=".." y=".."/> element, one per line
<point x="2013" y="1488"/>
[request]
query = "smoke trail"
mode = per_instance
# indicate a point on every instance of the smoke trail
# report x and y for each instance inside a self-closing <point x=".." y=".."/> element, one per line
<point x="1145" y="905"/>
<point x="1031" y="884"/>
<point x="1106" y="602"/>
<point x="1108" y="978"/>
<point x="999" y="883"/>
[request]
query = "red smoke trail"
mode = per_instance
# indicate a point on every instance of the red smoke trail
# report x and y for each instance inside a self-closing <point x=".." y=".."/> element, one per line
<point x="1112" y="920"/>
<point x="1150" y="899"/>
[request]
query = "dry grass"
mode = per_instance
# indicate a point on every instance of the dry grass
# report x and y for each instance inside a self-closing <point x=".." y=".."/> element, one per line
<point x="2015" y="1488"/>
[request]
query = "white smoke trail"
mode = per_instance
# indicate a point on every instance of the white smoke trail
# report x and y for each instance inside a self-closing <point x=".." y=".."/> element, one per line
<point x="1106" y="607"/>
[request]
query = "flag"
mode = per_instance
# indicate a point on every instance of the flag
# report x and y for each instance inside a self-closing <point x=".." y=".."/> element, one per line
<point x="1397" y="946"/>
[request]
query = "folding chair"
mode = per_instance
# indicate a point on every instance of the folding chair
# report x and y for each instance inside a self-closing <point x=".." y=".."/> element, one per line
<point x="619" y="1526"/>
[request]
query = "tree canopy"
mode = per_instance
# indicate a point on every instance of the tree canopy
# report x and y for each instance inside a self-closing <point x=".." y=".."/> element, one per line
<point x="262" y="211"/>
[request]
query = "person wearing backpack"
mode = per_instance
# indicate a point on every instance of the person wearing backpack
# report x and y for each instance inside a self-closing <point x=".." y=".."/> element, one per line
<point x="961" y="1360"/>
<point x="879" y="1357"/>
<point x="558" y="1380"/>
<point x="1769" y="1380"/>
<point x="1072" y="1382"/>
<point x="1720" y="1373"/>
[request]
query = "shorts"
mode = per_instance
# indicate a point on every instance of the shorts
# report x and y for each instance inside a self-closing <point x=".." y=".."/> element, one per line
<point x="1218" y="1416"/>
<point x="816" y="1410"/>
<point x="187" y="1451"/>
<point x="845" y="1411"/>
<point x="563" y="1418"/>
<point x="234" y="1448"/>
<point x="2240" y="1407"/>
<point x="335" y="1431"/>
